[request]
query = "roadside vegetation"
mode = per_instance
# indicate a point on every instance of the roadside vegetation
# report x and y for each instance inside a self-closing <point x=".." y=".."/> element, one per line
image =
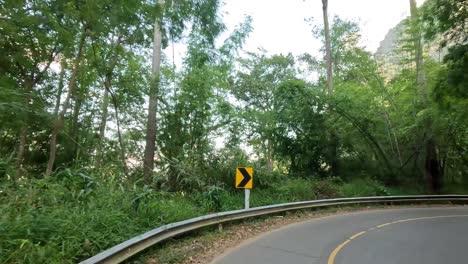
<point x="72" y="216"/>
<point x="100" y="143"/>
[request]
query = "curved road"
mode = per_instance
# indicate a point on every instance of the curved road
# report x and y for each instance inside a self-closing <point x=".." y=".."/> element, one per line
<point x="395" y="236"/>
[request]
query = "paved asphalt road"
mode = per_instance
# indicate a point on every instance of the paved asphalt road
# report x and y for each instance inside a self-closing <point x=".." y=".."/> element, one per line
<point x="396" y="236"/>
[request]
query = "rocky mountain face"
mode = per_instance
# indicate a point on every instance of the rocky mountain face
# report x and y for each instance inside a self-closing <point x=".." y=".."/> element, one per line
<point x="390" y="43"/>
<point x="387" y="53"/>
<point x="392" y="58"/>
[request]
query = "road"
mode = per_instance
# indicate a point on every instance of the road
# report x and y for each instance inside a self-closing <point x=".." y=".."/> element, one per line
<point x="393" y="236"/>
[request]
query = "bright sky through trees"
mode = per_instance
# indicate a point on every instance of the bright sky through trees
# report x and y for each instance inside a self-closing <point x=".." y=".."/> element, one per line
<point x="278" y="23"/>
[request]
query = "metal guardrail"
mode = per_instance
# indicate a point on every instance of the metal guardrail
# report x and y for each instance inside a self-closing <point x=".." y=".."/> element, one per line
<point x="132" y="246"/>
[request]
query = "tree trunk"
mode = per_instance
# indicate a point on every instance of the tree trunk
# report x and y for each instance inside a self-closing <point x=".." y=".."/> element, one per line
<point x="58" y="123"/>
<point x="28" y="87"/>
<point x="334" y="161"/>
<point x="333" y="147"/>
<point x="29" y="82"/>
<point x="63" y="66"/>
<point x="105" y="105"/>
<point x="270" y="160"/>
<point x="148" y="161"/>
<point x="392" y="137"/>
<point x="75" y="124"/>
<point x="102" y="128"/>
<point x="432" y="165"/>
<point x="418" y="50"/>
<point x="328" y="55"/>
<point x="123" y="158"/>
<point x="20" y="155"/>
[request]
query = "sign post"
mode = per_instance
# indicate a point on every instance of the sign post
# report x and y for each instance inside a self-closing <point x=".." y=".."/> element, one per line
<point x="244" y="180"/>
<point x="247" y="198"/>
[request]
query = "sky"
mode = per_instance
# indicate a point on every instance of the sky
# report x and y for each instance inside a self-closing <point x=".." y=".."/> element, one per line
<point x="280" y="27"/>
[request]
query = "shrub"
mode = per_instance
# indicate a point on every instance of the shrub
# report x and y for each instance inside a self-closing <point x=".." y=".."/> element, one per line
<point x="67" y="218"/>
<point x="364" y="187"/>
<point x="6" y="167"/>
<point x="327" y="188"/>
<point x="232" y="200"/>
<point x="264" y="179"/>
<point x="455" y="188"/>
<point x="73" y="215"/>
<point x="210" y="200"/>
<point x="259" y="197"/>
<point x="296" y="190"/>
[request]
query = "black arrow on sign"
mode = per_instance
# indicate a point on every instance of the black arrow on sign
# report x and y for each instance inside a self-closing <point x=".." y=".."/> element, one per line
<point x="246" y="179"/>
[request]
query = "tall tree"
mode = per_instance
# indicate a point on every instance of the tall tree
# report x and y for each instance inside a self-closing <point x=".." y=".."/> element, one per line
<point x="29" y="45"/>
<point x="446" y="21"/>
<point x="328" y="50"/>
<point x="199" y="110"/>
<point x="432" y="166"/>
<point x="333" y="149"/>
<point x="172" y="19"/>
<point x="148" y="160"/>
<point x="59" y="121"/>
<point x="255" y="85"/>
<point x="418" y="51"/>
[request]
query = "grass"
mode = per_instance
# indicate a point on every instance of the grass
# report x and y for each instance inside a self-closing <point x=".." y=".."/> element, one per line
<point x="72" y="216"/>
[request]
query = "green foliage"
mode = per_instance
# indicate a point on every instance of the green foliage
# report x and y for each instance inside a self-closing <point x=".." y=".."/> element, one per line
<point x="6" y="168"/>
<point x="364" y="187"/>
<point x="298" y="134"/>
<point x="255" y="85"/>
<point x="55" y="220"/>
<point x="75" y="215"/>
<point x="327" y="188"/>
<point x="453" y="80"/>
<point x="220" y="110"/>
<point x="447" y="17"/>
<point x="266" y="179"/>
<point x="212" y="198"/>
<point x="456" y="188"/>
<point x="195" y="111"/>
<point x="296" y="190"/>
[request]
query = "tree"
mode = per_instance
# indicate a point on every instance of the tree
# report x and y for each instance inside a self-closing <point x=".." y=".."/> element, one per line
<point x="299" y="128"/>
<point x="59" y="121"/>
<point x="191" y="117"/>
<point x="111" y="44"/>
<point x="255" y="85"/>
<point x="444" y="21"/>
<point x="30" y="44"/>
<point x="328" y="49"/>
<point x="333" y="149"/>
<point x="148" y="161"/>
<point x="98" y="22"/>
<point x="361" y="117"/>
<point x="432" y="167"/>
<point x="172" y="18"/>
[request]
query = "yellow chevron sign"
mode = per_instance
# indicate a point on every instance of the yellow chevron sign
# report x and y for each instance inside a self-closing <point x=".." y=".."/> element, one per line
<point x="244" y="177"/>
